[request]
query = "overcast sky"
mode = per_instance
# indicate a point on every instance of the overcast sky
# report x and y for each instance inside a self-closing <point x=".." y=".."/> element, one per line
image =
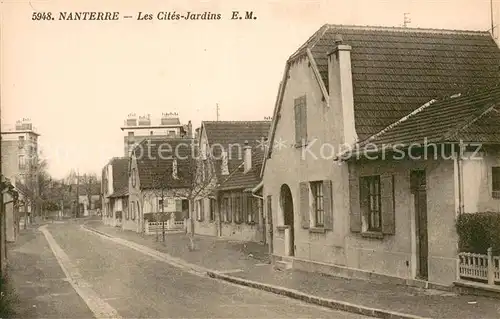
<point x="78" y="80"/>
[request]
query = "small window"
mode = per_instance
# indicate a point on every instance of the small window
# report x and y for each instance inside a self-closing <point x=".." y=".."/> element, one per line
<point x="318" y="208"/>
<point x="495" y="178"/>
<point x="213" y="204"/>
<point x="21" y="141"/>
<point x="371" y="187"/>
<point x="22" y="162"/>
<point x="130" y="134"/>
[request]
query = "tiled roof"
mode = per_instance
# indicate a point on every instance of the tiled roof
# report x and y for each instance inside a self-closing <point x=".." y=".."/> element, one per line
<point x="470" y="118"/>
<point x="155" y="157"/>
<point x="120" y="176"/>
<point x="395" y="70"/>
<point x="231" y="136"/>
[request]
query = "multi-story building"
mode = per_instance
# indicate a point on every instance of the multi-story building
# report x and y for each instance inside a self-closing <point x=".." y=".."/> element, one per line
<point x="138" y="128"/>
<point x="19" y="159"/>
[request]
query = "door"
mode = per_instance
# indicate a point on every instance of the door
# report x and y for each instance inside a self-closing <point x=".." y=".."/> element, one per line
<point x="287" y="206"/>
<point x="419" y="185"/>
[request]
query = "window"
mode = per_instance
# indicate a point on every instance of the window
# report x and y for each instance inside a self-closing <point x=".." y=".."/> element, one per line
<point x="199" y="210"/>
<point x="300" y="121"/>
<point x="495" y="178"/>
<point x="318" y="208"/>
<point x="371" y="197"/>
<point x="237" y="208"/>
<point x="21" y="141"/>
<point x="130" y="134"/>
<point x="226" y="209"/>
<point x="133" y="177"/>
<point x="22" y="162"/>
<point x="213" y="202"/>
<point x="160" y="204"/>
<point x="251" y="209"/>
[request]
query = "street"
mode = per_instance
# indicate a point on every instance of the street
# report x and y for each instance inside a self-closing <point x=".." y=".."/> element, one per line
<point x="117" y="281"/>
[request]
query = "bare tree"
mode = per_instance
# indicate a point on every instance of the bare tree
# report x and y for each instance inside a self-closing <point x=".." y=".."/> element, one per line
<point x="90" y="185"/>
<point x="202" y="184"/>
<point x="33" y="186"/>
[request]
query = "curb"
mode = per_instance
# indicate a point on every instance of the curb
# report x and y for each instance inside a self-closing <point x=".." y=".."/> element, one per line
<point x="97" y="231"/>
<point x="324" y="302"/>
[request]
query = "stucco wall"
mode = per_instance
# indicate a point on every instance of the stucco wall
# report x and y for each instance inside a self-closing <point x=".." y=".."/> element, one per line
<point x="290" y="166"/>
<point x="395" y="255"/>
<point x="478" y="182"/>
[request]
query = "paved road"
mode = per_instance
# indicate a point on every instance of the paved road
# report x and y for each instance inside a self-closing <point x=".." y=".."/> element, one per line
<point x="136" y="285"/>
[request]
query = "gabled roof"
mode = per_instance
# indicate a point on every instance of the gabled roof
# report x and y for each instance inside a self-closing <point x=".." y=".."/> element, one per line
<point x="120" y="176"/>
<point x="155" y="157"/>
<point x="396" y="70"/>
<point x="231" y="137"/>
<point x="468" y="118"/>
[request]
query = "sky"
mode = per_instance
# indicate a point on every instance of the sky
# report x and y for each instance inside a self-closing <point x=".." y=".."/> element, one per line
<point x="78" y="80"/>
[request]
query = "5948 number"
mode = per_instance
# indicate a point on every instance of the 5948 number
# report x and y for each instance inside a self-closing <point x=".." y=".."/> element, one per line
<point x="42" y="16"/>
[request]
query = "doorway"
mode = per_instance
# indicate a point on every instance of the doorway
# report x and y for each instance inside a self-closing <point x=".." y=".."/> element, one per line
<point x="287" y="208"/>
<point x="419" y="190"/>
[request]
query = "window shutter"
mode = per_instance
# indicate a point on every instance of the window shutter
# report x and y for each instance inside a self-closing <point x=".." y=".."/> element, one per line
<point x="244" y="208"/>
<point x="229" y="209"/>
<point x="328" y="204"/>
<point x="303" y="120"/>
<point x="297" y="122"/>
<point x="304" y="204"/>
<point x="356" y="195"/>
<point x="178" y="205"/>
<point x="387" y="204"/>
<point x="269" y="212"/>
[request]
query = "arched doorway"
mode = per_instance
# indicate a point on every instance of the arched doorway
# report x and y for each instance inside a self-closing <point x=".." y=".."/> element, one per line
<point x="286" y="201"/>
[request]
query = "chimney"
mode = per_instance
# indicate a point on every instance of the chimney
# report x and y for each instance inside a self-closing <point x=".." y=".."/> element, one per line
<point x="197" y="133"/>
<point x="341" y="91"/>
<point x="190" y="130"/>
<point x="247" y="153"/>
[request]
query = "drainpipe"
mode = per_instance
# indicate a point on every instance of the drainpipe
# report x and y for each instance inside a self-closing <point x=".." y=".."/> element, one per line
<point x="460" y="181"/>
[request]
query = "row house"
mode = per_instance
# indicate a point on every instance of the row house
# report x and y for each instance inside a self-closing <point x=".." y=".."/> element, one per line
<point x="337" y="209"/>
<point x="230" y="158"/>
<point x="160" y="174"/>
<point x="115" y="191"/>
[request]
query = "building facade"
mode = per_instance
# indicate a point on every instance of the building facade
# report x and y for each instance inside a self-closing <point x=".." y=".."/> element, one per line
<point x="115" y="191"/>
<point x="19" y="159"/>
<point x="231" y="153"/>
<point x="136" y="129"/>
<point x="346" y="85"/>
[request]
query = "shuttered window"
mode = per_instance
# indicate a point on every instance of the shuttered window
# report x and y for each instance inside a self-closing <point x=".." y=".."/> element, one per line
<point x="300" y="107"/>
<point x="495" y="178"/>
<point x="374" y="212"/>
<point x="319" y="213"/>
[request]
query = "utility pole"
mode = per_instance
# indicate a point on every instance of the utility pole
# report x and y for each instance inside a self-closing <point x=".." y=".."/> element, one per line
<point x="217" y="111"/>
<point x="492" y="20"/>
<point x="163" y="214"/>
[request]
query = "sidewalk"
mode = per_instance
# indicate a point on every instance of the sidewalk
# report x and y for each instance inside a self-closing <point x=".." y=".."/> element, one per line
<point x="231" y="263"/>
<point x="39" y="281"/>
<point x="210" y="252"/>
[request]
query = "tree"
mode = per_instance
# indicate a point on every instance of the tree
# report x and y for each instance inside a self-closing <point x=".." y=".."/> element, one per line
<point x="32" y="186"/>
<point x="90" y="185"/>
<point x="202" y="184"/>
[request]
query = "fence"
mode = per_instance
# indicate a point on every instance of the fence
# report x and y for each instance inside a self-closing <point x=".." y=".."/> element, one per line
<point x="479" y="267"/>
<point x="152" y="228"/>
